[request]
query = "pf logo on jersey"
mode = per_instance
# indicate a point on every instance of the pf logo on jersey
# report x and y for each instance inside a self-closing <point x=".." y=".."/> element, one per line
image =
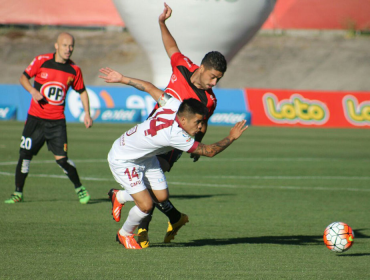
<point x="54" y="92"/>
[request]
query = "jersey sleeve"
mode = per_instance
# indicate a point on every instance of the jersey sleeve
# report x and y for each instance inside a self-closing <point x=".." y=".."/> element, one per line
<point x="78" y="83"/>
<point x="184" y="142"/>
<point x="31" y="70"/>
<point x="213" y="107"/>
<point x="180" y="59"/>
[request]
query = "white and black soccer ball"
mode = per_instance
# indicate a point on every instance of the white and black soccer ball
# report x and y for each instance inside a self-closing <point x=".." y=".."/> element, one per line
<point x="338" y="237"/>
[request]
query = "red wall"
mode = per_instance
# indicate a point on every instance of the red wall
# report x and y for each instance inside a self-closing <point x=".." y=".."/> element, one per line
<point x="66" y="12"/>
<point x="320" y="14"/>
<point x="288" y="14"/>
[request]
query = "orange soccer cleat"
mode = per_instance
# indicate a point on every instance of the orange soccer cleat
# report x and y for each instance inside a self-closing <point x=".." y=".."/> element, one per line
<point x="128" y="241"/>
<point x="116" y="206"/>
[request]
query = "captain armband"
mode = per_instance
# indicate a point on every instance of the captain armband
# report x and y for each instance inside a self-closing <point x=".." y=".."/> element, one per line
<point x="163" y="99"/>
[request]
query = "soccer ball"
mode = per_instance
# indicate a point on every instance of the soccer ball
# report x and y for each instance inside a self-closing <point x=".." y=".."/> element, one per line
<point x="338" y="237"/>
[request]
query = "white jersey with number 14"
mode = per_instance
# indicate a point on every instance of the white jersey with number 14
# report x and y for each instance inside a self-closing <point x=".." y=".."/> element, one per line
<point x="157" y="135"/>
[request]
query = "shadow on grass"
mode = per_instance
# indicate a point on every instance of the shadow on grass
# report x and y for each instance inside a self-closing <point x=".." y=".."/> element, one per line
<point x="301" y="240"/>
<point x="103" y="200"/>
<point x="280" y="240"/>
<point x="99" y="200"/>
<point x="354" y="255"/>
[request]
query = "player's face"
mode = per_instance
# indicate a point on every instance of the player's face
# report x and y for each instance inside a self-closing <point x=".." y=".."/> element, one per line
<point x="64" y="47"/>
<point x="193" y="124"/>
<point x="209" y="77"/>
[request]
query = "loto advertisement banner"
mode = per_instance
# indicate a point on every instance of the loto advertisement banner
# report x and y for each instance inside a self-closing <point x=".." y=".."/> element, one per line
<point x="309" y="108"/>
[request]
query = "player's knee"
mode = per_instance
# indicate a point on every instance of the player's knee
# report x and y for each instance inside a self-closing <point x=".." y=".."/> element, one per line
<point x="25" y="154"/>
<point x="66" y="164"/>
<point x="146" y="206"/>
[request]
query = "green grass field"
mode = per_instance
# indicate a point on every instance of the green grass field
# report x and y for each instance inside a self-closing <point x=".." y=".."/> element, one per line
<point x="257" y="210"/>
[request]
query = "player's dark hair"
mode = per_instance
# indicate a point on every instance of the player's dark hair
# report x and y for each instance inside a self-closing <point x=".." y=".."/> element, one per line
<point x="215" y="60"/>
<point x="192" y="106"/>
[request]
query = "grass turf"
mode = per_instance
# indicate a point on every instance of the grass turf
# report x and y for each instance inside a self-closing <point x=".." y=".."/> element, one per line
<point x="257" y="210"/>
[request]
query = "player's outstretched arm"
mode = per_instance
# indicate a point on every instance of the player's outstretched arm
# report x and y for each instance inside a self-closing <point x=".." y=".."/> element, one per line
<point x="168" y="41"/>
<point x="216" y="148"/>
<point x="112" y="76"/>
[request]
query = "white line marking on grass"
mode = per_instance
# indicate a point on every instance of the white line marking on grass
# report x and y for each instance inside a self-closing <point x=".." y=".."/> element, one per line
<point x="208" y="185"/>
<point x="278" y="159"/>
<point x="53" y="161"/>
<point x="271" y="187"/>
<point x="288" y="177"/>
<point x="58" y="176"/>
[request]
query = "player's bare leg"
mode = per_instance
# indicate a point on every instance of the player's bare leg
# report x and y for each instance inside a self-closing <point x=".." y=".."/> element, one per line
<point x="166" y="207"/>
<point x="144" y="204"/>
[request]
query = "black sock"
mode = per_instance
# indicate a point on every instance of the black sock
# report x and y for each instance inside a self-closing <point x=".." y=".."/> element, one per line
<point x="70" y="170"/>
<point x="169" y="210"/>
<point x="145" y="222"/>
<point x="21" y="171"/>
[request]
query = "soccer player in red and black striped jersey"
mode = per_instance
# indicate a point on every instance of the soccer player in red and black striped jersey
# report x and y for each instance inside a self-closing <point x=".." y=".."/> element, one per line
<point x="53" y="74"/>
<point x="188" y="80"/>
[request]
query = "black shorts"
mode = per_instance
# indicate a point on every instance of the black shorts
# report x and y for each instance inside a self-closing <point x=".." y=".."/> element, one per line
<point x="171" y="157"/>
<point x="36" y="131"/>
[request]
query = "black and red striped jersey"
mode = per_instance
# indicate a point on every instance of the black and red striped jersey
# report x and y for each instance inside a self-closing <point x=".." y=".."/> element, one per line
<point x="181" y="87"/>
<point x="52" y="80"/>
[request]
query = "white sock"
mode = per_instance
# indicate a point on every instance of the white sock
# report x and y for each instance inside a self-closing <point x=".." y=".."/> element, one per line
<point x="135" y="216"/>
<point x="123" y="197"/>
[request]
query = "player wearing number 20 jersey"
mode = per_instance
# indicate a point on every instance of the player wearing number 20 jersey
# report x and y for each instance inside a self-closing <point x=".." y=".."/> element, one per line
<point x="159" y="134"/>
<point x="53" y="74"/>
<point x="52" y="80"/>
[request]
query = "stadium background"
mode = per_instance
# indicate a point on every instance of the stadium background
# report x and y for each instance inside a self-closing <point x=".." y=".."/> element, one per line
<point x="310" y="49"/>
<point x="258" y="211"/>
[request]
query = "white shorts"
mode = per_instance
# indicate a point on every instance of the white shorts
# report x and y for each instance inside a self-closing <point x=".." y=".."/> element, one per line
<point x="135" y="177"/>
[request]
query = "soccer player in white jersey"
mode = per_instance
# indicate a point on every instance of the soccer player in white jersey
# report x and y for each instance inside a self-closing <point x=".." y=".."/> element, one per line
<point x="132" y="158"/>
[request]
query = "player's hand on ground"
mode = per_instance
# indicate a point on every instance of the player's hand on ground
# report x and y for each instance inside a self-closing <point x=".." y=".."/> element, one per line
<point x="88" y="121"/>
<point x="166" y="13"/>
<point x="238" y="129"/>
<point x="111" y="76"/>
<point x="195" y="157"/>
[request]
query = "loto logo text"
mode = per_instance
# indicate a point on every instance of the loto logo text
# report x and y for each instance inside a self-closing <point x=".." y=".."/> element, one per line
<point x="296" y="110"/>
<point x="356" y="114"/>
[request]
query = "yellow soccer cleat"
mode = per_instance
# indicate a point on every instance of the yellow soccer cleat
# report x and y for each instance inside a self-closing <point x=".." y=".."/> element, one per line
<point x="173" y="229"/>
<point x="143" y="238"/>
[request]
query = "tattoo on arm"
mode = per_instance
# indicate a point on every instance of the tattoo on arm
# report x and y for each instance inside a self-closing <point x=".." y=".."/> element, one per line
<point x="136" y="85"/>
<point x="213" y="149"/>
